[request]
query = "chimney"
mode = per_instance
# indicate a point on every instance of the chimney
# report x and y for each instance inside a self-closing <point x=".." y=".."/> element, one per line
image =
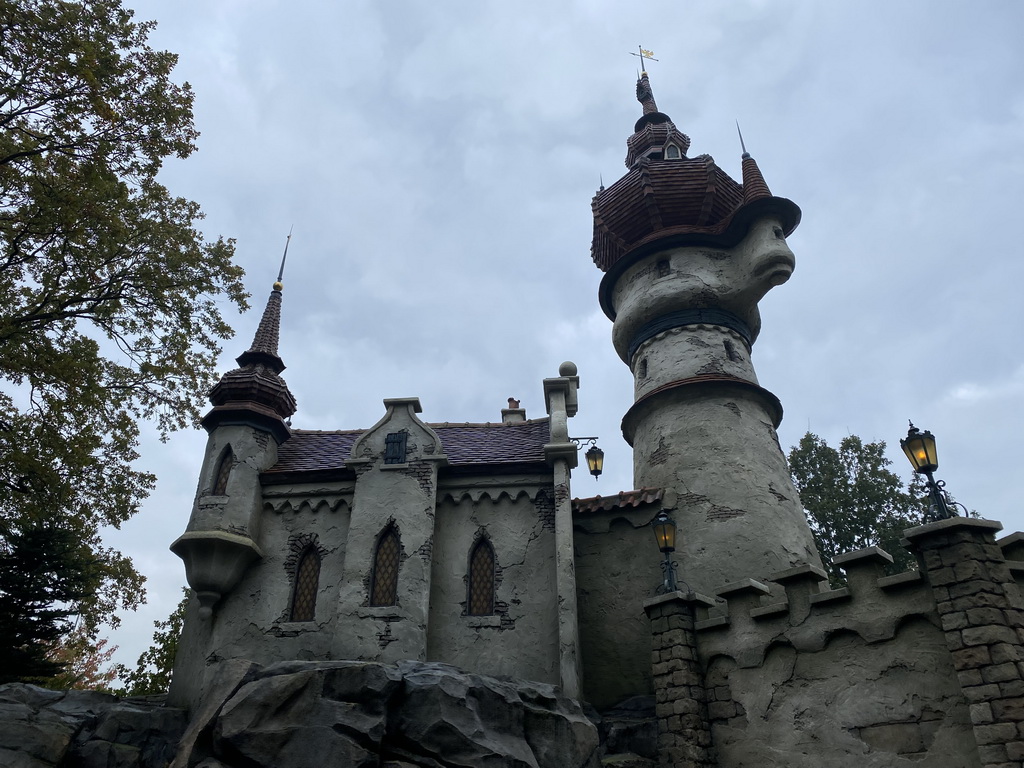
<point x="513" y="414"/>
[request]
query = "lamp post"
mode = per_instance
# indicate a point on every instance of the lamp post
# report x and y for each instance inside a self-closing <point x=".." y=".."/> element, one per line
<point x="920" y="449"/>
<point x="665" y="532"/>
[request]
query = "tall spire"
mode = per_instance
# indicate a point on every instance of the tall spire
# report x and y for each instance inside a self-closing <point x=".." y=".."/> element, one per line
<point x="264" y="344"/>
<point x="645" y="95"/>
<point x="254" y="392"/>
<point x="754" y="185"/>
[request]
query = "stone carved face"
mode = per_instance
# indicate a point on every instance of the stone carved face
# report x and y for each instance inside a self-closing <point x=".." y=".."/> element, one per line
<point x="702" y="277"/>
<point x="738" y="278"/>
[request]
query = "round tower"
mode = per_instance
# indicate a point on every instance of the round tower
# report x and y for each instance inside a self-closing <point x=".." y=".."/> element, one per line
<point x="688" y="253"/>
<point x="246" y="425"/>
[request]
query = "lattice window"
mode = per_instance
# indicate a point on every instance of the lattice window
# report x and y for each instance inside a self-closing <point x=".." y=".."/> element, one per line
<point x="384" y="584"/>
<point x="307" y="580"/>
<point x="394" y="447"/>
<point x="481" y="579"/>
<point x="227" y="461"/>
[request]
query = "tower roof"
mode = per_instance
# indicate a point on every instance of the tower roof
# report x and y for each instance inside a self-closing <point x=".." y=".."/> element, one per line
<point x="668" y="196"/>
<point x="255" y="393"/>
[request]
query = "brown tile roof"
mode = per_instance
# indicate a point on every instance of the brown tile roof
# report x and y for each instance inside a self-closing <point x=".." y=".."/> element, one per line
<point x="465" y="445"/>
<point x="686" y="199"/>
<point x="619" y="501"/>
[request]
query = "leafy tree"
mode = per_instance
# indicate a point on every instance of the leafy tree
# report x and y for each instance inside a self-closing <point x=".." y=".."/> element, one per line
<point x="152" y="673"/>
<point x="86" y="665"/>
<point x="110" y="310"/>
<point x="852" y="499"/>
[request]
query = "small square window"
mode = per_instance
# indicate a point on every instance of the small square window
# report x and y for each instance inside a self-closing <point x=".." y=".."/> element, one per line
<point x="394" y="448"/>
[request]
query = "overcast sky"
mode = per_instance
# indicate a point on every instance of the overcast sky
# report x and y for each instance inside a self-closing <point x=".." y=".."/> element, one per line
<point x="437" y="162"/>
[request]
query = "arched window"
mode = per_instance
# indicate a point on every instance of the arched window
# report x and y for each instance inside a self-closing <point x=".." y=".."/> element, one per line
<point x="672" y="152"/>
<point x="220" y="484"/>
<point x="307" y="580"/>
<point x="481" y="579"/>
<point x="384" y="582"/>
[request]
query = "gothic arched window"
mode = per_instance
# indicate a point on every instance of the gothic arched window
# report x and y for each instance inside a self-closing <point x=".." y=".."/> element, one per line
<point x="384" y="581"/>
<point x="672" y="152"/>
<point x="481" y="579"/>
<point x="220" y="483"/>
<point x="307" y="580"/>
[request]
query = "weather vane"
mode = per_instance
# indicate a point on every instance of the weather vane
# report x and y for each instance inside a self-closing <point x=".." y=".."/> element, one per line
<point x="643" y="55"/>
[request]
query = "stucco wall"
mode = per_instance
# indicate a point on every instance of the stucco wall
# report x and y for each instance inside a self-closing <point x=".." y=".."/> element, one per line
<point x="521" y="638"/>
<point x="616" y="570"/>
<point x="873" y="705"/>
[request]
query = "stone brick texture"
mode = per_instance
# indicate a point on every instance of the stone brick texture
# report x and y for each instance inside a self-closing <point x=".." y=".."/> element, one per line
<point x="982" y="615"/>
<point x="681" y="705"/>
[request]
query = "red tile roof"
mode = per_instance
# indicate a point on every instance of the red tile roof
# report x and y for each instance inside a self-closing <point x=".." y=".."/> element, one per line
<point x="464" y="444"/>
<point x="620" y="500"/>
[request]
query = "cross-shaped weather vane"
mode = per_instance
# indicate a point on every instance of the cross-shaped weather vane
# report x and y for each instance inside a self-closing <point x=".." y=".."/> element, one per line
<point x="644" y="54"/>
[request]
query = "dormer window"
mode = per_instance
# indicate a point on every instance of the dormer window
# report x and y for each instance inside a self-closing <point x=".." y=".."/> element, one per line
<point x="672" y="152"/>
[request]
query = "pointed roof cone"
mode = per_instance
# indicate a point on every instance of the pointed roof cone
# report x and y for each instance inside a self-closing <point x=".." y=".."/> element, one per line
<point x="754" y="185"/>
<point x="645" y="95"/>
<point x="254" y="394"/>
<point x="264" y="343"/>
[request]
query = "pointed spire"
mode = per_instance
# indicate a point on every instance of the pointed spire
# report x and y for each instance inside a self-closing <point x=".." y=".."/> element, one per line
<point x="743" y="146"/>
<point x="645" y="95"/>
<point x="255" y="392"/>
<point x="754" y="185"/>
<point x="264" y="344"/>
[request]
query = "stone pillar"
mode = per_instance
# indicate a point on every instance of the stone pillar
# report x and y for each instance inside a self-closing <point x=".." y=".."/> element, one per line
<point x="561" y="403"/>
<point x="982" y="616"/>
<point x="684" y="733"/>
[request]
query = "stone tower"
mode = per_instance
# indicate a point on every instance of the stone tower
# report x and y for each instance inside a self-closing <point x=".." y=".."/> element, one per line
<point x="688" y="252"/>
<point x="245" y="426"/>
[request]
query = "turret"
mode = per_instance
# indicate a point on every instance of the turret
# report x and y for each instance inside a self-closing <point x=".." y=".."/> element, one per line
<point x="688" y="253"/>
<point x="251" y="406"/>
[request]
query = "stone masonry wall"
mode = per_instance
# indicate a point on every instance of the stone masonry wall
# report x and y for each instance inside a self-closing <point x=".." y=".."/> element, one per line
<point x="982" y="616"/>
<point x="684" y="737"/>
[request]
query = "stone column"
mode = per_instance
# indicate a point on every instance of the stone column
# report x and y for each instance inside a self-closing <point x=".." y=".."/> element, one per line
<point x="684" y="733"/>
<point x="561" y="403"/>
<point x="982" y="616"/>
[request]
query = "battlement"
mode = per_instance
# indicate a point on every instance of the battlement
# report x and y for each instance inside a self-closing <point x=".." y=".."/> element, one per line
<point x="747" y="618"/>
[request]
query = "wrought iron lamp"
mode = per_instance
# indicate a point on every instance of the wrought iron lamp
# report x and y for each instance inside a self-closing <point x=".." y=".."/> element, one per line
<point x="665" y="532"/>
<point x="920" y="449"/>
<point x="594" y="455"/>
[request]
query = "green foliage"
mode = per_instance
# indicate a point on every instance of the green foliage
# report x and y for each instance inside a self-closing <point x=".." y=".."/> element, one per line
<point x="152" y="673"/>
<point x="111" y="301"/>
<point x="853" y="500"/>
<point x="42" y="573"/>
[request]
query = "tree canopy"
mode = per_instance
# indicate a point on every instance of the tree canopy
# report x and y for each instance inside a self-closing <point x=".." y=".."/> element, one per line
<point x="112" y="299"/>
<point x="852" y="499"/>
<point x="152" y="673"/>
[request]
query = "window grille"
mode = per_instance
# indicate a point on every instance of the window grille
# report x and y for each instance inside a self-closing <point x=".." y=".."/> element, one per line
<point x="307" y="580"/>
<point x="394" y="448"/>
<point x="384" y="584"/>
<point x="481" y="579"/>
<point x="227" y="461"/>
